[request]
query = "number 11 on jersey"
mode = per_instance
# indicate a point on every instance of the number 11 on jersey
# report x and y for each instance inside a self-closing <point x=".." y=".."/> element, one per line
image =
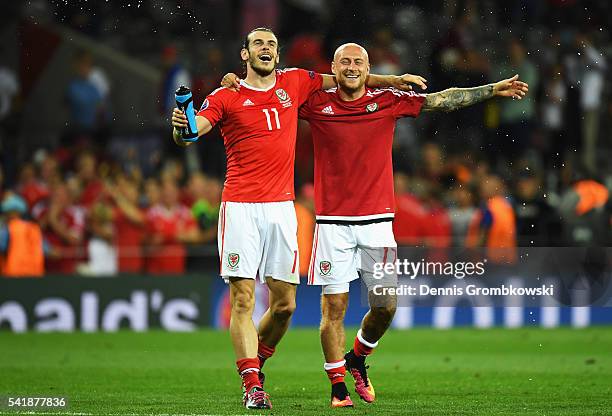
<point x="268" y="119"/>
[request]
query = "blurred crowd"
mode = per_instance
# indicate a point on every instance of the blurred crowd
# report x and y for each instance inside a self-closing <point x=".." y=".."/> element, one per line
<point x="96" y="219"/>
<point x="509" y="173"/>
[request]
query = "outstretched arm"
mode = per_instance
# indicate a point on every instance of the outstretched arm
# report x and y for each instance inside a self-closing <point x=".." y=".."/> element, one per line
<point x="455" y="98"/>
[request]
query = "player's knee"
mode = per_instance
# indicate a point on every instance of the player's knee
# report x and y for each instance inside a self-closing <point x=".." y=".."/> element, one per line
<point x="283" y="311"/>
<point x="243" y="303"/>
<point x="334" y="316"/>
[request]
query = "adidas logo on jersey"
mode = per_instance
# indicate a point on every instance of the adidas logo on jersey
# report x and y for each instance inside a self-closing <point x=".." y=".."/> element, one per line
<point x="328" y="110"/>
<point x="247" y="102"/>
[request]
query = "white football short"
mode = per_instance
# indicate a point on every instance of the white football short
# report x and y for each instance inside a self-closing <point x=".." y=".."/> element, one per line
<point x="342" y="253"/>
<point x="258" y="239"/>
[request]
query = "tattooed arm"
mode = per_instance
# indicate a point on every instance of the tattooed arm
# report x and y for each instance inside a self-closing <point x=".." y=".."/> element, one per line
<point x="455" y="98"/>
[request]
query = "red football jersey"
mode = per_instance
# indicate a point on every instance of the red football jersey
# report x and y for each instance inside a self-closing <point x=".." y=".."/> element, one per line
<point x="353" y="171"/>
<point x="168" y="256"/>
<point x="259" y="128"/>
<point x="129" y="240"/>
<point x="72" y="219"/>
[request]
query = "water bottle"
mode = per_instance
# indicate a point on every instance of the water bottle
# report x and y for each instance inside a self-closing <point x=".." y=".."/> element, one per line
<point x="184" y="101"/>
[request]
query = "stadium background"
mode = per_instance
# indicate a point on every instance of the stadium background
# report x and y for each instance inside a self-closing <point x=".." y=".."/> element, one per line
<point x="86" y="91"/>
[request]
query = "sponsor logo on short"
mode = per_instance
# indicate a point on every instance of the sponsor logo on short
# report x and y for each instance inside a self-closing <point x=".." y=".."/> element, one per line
<point x="328" y="110"/>
<point x="325" y="267"/>
<point x="282" y="95"/>
<point x="205" y="105"/>
<point x="247" y="102"/>
<point x="232" y="260"/>
<point x="370" y="108"/>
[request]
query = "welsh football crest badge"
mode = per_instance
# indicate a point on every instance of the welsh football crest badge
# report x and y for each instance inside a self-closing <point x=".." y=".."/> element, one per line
<point x="325" y="267"/>
<point x="370" y="108"/>
<point x="282" y="95"/>
<point x="232" y="260"/>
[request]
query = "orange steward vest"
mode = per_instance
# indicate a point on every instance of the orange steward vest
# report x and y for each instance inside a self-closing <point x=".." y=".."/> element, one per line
<point x="24" y="257"/>
<point x="501" y="236"/>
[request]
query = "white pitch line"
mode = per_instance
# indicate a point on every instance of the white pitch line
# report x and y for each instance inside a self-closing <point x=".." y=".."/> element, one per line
<point x="106" y="414"/>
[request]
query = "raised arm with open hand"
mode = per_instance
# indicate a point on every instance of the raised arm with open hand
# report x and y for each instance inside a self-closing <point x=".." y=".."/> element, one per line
<point x="455" y="98"/>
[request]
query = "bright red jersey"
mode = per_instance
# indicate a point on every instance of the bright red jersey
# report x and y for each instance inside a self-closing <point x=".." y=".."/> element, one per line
<point x="72" y="219"/>
<point x="409" y="224"/>
<point x="167" y="255"/>
<point x="128" y="240"/>
<point x="353" y="172"/>
<point x="259" y="129"/>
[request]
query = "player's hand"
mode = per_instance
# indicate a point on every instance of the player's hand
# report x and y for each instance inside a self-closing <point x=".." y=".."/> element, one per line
<point x="179" y="119"/>
<point x="404" y="82"/>
<point x="511" y="87"/>
<point x="231" y="81"/>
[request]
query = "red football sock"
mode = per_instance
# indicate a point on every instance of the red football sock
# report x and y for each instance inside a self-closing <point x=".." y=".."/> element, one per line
<point x="248" y="368"/>
<point x="335" y="371"/>
<point x="361" y="347"/>
<point x="263" y="353"/>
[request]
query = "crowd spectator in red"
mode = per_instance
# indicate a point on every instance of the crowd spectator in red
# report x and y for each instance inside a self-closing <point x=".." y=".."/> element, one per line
<point x="169" y="225"/>
<point x="29" y="187"/>
<point x="152" y="192"/>
<point x="437" y="226"/>
<point x="91" y="186"/>
<point x="410" y="214"/>
<point x="63" y="224"/>
<point x="129" y="223"/>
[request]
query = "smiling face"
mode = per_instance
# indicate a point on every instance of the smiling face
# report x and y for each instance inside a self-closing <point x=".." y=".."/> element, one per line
<point x="261" y="52"/>
<point x="351" y="66"/>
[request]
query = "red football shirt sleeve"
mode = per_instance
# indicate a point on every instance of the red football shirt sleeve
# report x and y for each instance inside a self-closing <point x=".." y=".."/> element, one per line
<point x="213" y="107"/>
<point x="309" y="82"/>
<point x="407" y="103"/>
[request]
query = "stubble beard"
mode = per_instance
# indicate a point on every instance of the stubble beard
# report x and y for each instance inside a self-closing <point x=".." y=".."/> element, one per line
<point x="351" y="89"/>
<point x="262" y="72"/>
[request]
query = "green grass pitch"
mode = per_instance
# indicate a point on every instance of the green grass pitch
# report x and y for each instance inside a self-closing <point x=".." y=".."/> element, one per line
<point x="416" y="372"/>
